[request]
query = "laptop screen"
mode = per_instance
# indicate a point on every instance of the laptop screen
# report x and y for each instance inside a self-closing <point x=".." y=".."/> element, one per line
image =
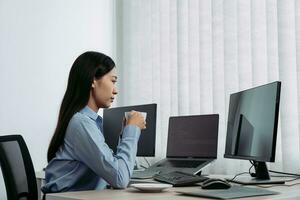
<point x="193" y="136"/>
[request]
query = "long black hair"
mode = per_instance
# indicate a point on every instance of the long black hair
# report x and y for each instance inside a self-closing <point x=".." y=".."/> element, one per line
<point x="87" y="67"/>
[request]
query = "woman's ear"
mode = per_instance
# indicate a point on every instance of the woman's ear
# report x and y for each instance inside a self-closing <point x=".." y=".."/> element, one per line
<point x="93" y="83"/>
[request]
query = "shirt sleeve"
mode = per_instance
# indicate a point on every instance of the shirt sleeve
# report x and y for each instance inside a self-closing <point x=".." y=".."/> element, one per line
<point x="91" y="149"/>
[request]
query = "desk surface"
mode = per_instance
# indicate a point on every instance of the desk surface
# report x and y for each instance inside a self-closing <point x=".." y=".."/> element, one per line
<point x="287" y="193"/>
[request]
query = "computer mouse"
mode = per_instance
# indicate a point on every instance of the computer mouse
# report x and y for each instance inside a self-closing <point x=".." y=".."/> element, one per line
<point x="215" y="184"/>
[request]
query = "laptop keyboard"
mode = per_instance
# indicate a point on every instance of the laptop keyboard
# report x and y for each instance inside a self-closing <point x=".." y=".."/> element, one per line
<point x="177" y="178"/>
<point x="182" y="163"/>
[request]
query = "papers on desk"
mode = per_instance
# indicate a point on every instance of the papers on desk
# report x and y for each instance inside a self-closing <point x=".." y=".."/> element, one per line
<point x="234" y="192"/>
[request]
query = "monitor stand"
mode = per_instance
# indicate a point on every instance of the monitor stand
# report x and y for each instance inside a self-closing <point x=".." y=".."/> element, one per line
<point x="137" y="165"/>
<point x="261" y="176"/>
<point x="254" y="181"/>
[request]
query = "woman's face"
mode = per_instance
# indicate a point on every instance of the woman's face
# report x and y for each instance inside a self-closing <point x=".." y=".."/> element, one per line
<point x="104" y="90"/>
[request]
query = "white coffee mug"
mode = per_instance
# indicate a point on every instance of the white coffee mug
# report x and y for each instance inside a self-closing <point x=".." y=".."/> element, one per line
<point x="144" y="114"/>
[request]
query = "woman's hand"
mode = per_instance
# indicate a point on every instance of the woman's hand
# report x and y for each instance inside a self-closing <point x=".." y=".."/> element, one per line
<point x="137" y="119"/>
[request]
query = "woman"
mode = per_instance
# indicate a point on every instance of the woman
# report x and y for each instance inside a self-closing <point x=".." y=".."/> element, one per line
<point x="79" y="158"/>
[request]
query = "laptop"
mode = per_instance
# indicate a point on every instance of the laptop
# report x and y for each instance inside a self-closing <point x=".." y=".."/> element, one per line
<point x="192" y="144"/>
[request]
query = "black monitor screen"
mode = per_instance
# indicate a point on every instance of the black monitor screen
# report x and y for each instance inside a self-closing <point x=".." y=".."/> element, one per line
<point x="252" y="123"/>
<point x="193" y="136"/>
<point x="112" y="126"/>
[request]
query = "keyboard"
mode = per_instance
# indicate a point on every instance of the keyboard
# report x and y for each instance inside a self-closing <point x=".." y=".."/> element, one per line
<point x="177" y="178"/>
<point x="182" y="163"/>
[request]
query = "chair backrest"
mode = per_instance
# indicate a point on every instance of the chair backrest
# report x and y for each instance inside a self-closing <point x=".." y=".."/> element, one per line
<point x="17" y="169"/>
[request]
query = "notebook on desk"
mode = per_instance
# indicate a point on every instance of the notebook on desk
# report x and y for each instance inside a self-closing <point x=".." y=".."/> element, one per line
<point x="192" y="144"/>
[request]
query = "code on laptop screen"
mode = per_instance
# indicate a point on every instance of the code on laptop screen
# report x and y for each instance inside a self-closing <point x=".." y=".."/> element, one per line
<point x="193" y="136"/>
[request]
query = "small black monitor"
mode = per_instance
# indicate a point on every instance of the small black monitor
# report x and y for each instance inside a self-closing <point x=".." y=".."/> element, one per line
<point x="112" y="126"/>
<point x="252" y="127"/>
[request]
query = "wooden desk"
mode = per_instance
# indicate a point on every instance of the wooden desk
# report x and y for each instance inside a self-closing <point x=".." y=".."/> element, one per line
<point x="288" y="193"/>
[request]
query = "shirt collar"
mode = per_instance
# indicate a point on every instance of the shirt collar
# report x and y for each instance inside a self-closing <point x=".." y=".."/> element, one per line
<point x="89" y="112"/>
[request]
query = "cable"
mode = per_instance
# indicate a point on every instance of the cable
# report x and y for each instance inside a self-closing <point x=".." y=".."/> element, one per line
<point x="238" y="175"/>
<point x="288" y="175"/>
<point x="249" y="171"/>
<point x="143" y="166"/>
<point x="292" y="179"/>
<point x="284" y="176"/>
<point x="252" y="165"/>
<point x="292" y="184"/>
<point x="284" y="185"/>
<point x="278" y="172"/>
<point x="147" y="161"/>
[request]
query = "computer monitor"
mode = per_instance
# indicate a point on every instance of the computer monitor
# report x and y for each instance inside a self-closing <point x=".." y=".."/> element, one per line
<point x="112" y="126"/>
<point x="252" y="128"/>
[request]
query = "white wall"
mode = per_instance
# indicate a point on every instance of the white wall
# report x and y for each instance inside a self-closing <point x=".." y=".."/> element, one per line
<point x="39" y="40"/>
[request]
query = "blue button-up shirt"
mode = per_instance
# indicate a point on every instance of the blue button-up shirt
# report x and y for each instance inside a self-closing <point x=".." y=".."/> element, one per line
<point x="85" y="162"/>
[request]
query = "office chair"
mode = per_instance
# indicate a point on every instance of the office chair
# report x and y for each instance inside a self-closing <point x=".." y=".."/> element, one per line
<point x="17" y="169"/>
